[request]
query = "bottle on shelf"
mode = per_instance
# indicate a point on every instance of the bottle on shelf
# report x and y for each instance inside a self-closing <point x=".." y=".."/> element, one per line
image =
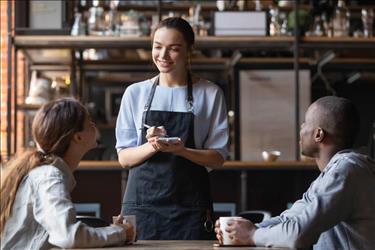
<point x="340" y="20"/>
<point x="284" y="25"/>
<point x="367" y="21"/>
<point x="221" y="5"/>
<point x="241" y="5"/>
<point x="113" y="18"/>
<point x="274" y="27"/>
<point x="96" y="24"/>
<point x="258" y="5"/>
<point x="79" y="26"/>
<point x="318" y="27"/>
<point x="327" y="25"/>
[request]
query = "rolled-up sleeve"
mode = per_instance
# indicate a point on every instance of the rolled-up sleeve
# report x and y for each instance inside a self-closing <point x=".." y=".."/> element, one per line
<point x="126" y="131"/>
<point x="218" y="135"/>
<point x="55" y="212"/>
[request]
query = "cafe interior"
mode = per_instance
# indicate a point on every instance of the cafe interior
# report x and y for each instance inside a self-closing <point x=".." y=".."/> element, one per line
<point x="271" y="59"/>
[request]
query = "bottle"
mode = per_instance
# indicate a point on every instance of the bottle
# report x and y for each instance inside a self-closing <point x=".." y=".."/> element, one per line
<point x="113" y="25"/>
<point x="284" y="25"/>
<point x="318" y="27"/>
<point x="78" y="27"/>
<point x="258" y="5"/>
<point x="367" y="21"/>
<point x="340" y="21"/>
<point x="327" y="25"/>
<point x="220" y="4"/>
<point x="274" y="27"/>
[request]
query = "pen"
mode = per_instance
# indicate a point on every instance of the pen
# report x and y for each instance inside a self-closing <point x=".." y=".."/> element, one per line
<point x="148" y="126"/>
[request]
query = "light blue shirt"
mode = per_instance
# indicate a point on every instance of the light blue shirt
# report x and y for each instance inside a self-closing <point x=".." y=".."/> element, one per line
<point x="210" y="122"/>
<point x="43" y="214"/>
<point x="336" y="212"/>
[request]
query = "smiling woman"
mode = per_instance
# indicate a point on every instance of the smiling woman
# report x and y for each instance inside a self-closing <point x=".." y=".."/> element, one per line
<point x="168" y="185"/>
<point x="170" y="53"/>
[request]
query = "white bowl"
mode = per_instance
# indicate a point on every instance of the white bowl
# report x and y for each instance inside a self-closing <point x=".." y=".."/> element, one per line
<point x="271" y="155"/>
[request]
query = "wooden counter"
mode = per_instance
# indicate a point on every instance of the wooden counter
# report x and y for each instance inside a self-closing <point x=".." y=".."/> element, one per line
<point x="228" y="165"/>
<point x="180" y="245"/>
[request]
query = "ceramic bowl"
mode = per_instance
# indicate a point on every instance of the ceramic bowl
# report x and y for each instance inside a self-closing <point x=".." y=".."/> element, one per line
<point x="271" y="155"/>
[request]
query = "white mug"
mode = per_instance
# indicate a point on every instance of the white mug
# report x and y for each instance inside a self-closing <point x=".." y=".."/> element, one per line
<point x="223" y="224"/>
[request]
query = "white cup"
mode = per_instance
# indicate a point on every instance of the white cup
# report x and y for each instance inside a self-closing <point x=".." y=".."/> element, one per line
<point x="223" y="224"/>
<point x="131" y="219"/>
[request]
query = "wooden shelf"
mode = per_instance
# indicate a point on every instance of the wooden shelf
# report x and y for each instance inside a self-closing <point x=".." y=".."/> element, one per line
<point x="203" y="42"/>
<point x="337" y="42"/>
<point x="178" y="6"/>
<point x="84" y="42"/>
<point x="228" y="165"/>
<point x="276" y="165"/>
<point x="25" y="106"/>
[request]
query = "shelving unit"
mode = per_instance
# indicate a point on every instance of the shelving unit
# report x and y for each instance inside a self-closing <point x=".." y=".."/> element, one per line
<point x="290" y="44"/>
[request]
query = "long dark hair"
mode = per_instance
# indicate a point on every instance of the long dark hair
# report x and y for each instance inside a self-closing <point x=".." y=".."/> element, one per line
<point x="53" y="128"/>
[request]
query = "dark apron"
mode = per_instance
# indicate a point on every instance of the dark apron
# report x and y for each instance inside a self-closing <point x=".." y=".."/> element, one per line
<point x="170" y="195"/>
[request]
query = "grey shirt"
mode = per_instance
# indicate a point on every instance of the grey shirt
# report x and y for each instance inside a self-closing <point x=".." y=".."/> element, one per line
<point x="43" y="215"/>
<point x="336" y="212"/>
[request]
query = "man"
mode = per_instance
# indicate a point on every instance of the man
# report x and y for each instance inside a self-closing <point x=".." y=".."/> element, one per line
<point x="338" y="209"/>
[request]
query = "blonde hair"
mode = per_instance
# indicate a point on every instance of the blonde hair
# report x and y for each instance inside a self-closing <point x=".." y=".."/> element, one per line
<point x="53" y="128"/>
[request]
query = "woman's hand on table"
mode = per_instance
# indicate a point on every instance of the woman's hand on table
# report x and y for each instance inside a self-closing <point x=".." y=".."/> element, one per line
<point x="130" y="234"/>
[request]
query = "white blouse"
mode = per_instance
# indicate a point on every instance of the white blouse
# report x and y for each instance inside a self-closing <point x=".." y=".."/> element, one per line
<point x="43" y="214"/>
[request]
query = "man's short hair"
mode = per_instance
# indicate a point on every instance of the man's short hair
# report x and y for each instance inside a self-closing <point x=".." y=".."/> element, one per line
<point x="340" y="118"/>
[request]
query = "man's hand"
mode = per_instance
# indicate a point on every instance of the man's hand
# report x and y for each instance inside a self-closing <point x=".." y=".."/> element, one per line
<point x="219" y="233"/>
<point x="240" y="231"/>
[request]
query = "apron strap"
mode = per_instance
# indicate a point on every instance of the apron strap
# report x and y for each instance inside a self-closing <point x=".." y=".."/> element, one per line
<point x="190" y="93"/>
<point x="149" y="101"/>
<point x="190" y="106"/>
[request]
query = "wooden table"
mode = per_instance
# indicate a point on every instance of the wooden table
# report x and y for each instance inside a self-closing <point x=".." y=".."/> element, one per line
<point x="181" y="245"/>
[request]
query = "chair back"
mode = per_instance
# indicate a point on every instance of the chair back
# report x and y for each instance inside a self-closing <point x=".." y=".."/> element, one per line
<point x="255" y="216"/>
<point x="92" y="221"/>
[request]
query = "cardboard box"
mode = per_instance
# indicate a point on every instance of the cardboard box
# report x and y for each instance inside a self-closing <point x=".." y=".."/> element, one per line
<point x="240" y="23"/>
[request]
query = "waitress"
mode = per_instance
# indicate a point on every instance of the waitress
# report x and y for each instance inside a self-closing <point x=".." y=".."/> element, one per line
<point x="168" y="187"/>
